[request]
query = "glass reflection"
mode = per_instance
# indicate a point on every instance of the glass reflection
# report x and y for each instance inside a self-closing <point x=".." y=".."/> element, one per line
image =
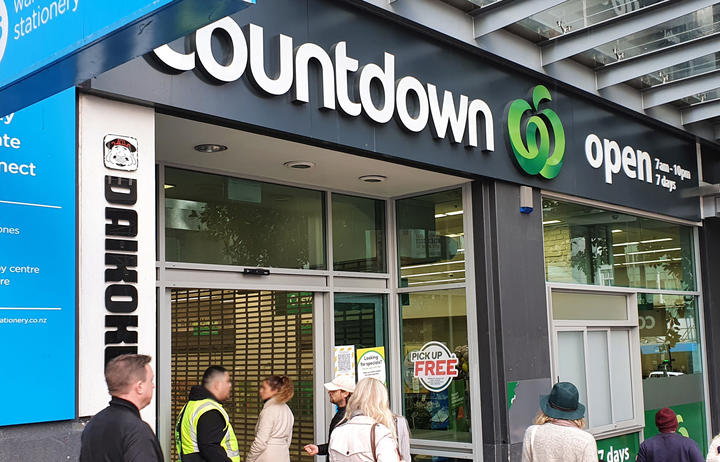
<point x="698" y="24"/>
<point x="574" y="15"/>
<point x="672" y="363"/>
<point x="589" y="245"/>
<point x="691" y="68"/>
<point x="231" y="221"/>
<point x="431" y="239"/>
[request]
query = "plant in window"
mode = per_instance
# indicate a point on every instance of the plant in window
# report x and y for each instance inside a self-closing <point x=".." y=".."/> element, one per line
<point x="257" y="236"/>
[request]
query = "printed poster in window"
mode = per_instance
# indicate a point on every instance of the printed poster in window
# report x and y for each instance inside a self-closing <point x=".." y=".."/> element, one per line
<point x="344" y="360"/>
<point x="371" y="363"/>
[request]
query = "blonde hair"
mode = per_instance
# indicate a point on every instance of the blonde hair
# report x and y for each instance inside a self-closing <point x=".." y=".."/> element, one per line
<point x="371" y="399"/>
<point x="283" y="385"/>
<point x="541" y="418"/>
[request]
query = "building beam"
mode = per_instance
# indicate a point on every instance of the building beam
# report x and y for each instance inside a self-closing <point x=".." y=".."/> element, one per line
<point x="701" y="112"/>
<point x="623" y="71"/>
<point x="494" y="19"/>
<point x="565" y="46"/>
<point x="681" y="89"/>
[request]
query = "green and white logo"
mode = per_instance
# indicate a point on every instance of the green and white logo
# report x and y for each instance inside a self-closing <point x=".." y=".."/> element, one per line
<point x="543" y="133"/>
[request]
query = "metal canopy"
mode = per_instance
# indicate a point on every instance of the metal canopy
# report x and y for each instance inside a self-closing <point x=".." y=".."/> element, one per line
<point x="663" y="52"/>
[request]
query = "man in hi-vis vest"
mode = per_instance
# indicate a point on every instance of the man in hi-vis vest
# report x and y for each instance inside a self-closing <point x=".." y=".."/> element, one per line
<point x="203" y="432"/>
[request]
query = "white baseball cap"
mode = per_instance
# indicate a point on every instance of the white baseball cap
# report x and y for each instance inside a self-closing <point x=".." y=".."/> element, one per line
<point x="342" y="382"/>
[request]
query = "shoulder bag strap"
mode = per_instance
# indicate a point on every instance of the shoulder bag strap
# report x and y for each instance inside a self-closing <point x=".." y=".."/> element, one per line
<point x="532" y="439"/>
<point x="372" y="441"/>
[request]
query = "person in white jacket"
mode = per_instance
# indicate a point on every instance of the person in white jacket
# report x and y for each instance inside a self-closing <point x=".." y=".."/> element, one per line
<point x="368" y="432"/>
<point x="713" y="454"/>
<point x="273" y="431"/>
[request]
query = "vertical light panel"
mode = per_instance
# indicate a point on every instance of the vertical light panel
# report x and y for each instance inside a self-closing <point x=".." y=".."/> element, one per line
<point x="37" y="260"/>
<point x="117" y="241"/>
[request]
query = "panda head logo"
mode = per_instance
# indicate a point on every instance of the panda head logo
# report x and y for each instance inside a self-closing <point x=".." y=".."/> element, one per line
<point x="121" y="153"/>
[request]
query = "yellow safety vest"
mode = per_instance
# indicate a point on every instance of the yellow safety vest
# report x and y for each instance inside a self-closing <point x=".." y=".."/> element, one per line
<point x="186" y="431"/>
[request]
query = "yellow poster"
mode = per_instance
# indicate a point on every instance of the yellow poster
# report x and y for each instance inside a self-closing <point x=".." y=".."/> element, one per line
<point x="371" y="363"/>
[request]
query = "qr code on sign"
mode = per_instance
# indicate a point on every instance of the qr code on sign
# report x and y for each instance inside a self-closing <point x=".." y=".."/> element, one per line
<point x="344" y="361"/>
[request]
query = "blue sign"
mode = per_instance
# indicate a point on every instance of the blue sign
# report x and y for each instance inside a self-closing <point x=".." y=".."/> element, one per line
<point x="49" y="45"/>
<point x="37" y="261"/>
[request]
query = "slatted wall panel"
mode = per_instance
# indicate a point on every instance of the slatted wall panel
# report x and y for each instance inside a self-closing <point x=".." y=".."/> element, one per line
<point x="253" y="334"/>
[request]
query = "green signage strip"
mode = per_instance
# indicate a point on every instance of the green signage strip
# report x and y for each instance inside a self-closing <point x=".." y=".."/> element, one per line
<point x="619" y="449"/>
<point x="691" y="418"/>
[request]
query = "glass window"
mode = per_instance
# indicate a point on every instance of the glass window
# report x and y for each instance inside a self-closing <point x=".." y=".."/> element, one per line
<point x="584" y="358"/>
<point x="361" y="321"/>
<point x="358" y="234"/>
<point x="598" y="360"/>
<point x="436" y="397"/>
<point x="431" y="239"/>
<point x="223" y="220"/>
<point x="672" y="363"/>
<point x="588" y="245"/>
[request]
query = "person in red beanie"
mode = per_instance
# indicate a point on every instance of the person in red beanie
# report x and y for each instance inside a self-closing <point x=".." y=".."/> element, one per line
<point x="669" y="446"/>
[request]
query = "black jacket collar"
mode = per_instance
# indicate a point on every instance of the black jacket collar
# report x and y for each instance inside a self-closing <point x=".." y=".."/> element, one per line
<point x="198" y="392"/>
<point x="115" y="401"/>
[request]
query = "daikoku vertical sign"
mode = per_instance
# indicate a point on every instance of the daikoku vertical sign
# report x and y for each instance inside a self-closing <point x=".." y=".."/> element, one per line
<point x="37" y="261"/>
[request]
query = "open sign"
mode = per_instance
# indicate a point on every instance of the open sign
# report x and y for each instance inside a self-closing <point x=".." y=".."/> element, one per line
<point x="434" y="366"/>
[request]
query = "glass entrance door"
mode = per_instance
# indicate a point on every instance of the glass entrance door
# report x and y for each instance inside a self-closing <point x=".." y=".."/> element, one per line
<point x="253" y="334"/>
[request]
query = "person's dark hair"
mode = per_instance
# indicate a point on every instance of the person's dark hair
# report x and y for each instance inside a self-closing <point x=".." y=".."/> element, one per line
<point x="124" y="370"/>
<point x="211" y="374"/>
<point x="283" y="385"/>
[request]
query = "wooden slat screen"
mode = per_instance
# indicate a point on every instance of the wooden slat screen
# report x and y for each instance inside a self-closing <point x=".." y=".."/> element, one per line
<point x="253" y="334"/>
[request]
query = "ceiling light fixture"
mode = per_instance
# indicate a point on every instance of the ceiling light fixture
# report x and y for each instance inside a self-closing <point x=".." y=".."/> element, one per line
<point x="551" y="222"/>
<point x="299" y="164"/>
<point x="650" y="241"/>
<point x="617" y="230"/>
<point x="210" y="148"/>
<point x="372" y="178"/>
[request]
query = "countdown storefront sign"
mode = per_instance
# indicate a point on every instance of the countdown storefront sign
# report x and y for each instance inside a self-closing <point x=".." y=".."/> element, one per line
<point x="434" y="366"/>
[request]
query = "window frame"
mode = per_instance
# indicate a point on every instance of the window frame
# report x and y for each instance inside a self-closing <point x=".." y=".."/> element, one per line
<point x="424" y="446"/>
<point x="631" y="325"/>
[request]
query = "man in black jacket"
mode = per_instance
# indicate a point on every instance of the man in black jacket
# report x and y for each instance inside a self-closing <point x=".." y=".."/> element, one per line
<point x="207" y="439"/>
<point x="117" y="433"/>
<point x="339" y="391"/>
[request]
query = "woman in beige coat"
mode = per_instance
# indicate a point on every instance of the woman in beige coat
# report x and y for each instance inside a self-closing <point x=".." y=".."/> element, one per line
<point x="273" y="431"/>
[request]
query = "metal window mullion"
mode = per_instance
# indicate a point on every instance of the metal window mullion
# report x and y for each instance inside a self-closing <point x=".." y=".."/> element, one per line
<point x="609" y="371"/>
<point x="320" y="317"/>
<point x="471" y="319"/>
<point x="394" y="314"/>
<point x="585" y="360"/>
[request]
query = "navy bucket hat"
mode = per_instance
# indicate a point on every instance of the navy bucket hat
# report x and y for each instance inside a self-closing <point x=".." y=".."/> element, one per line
<point x="562" y="402"/>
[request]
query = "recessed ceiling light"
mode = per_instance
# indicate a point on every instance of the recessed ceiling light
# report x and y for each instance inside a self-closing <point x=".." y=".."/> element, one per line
<point x="210" y="148"/>
<point x="372" y="178"/>
<point x="299" y="164"/>
<point x="168" y="186"/>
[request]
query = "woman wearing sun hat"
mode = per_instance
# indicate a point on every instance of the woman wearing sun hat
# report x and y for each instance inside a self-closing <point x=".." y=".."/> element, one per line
<point x="557" y="435"/>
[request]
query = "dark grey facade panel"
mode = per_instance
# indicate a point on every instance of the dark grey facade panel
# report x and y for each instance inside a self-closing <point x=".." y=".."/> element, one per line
<point x="431" y="61"/>
<point x="512" y="314"/>
<point x="710" y="264"/>
<point x="49" y="442"/>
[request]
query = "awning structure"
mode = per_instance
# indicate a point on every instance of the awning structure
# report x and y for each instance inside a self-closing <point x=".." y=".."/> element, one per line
<point x="666" y="52"/>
